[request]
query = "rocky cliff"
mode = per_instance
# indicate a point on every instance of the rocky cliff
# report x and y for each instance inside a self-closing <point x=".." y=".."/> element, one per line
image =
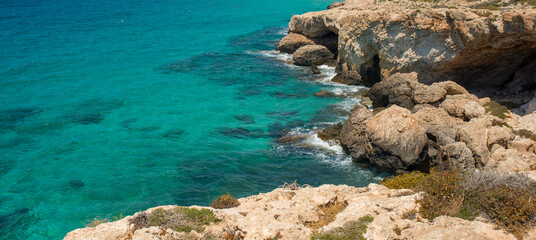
<point x="490" y="51"/>
<point x="298" y="213"/>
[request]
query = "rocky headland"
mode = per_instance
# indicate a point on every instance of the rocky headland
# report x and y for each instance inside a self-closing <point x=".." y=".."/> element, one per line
<point x="452" y="90"/>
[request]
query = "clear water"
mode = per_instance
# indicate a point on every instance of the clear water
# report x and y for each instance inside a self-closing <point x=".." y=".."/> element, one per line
<point x="110" y="107"/>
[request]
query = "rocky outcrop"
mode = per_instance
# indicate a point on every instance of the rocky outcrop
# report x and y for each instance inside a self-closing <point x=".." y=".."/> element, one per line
<point x="435" y="125"/>
<point x="484" y="50"/>
<point x="312" y="55"/>
<point x="293" y="41"/>
<point x="297" y="213"/>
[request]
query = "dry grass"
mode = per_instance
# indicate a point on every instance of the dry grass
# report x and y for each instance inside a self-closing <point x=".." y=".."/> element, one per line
<point x="180" y="219"/>
<point x="293" y="186"/>
<point x="225" y="201"/>
<point x="350" y="231"/>
<point x="329" y="212"/>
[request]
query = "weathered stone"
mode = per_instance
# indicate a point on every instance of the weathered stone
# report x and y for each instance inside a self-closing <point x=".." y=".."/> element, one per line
<point x="335" y="5"/>
<point x="454" y="104"/>
<point x="475" y="135"/>
<point x="428" y="94"/>
<point x="330" y="133"/>
<point x="353" y="135"/>
<point x="473" y="110"/>
<point x="291" y="42"/>
<point x="499" y="135"/>
<point x="397" y="132"/>
<point x="523" y="145"/>
<point x="397" y="89"/>
<point x="312" y="55"/>
<point x="456" y="156"/>
<point x="437" y="120"/>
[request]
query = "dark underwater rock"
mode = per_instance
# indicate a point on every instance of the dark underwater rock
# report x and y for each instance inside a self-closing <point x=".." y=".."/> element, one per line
<point x="245" y="119"/>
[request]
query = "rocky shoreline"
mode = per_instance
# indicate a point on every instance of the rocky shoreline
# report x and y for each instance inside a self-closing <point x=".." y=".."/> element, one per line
<point x="441" y="75"/>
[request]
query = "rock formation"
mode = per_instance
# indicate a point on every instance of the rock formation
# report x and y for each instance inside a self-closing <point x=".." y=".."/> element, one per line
<point x="296" y="213"/>
<point x="435" y="125"/>
<point x="490" y="50"/>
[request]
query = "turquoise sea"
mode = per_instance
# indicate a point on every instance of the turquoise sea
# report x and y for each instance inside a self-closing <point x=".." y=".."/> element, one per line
<point x="112" y="107"/>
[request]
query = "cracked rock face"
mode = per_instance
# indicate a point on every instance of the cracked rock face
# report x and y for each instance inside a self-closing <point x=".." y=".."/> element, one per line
<point x="291" y="215"/>
<point x="479" y="49"/>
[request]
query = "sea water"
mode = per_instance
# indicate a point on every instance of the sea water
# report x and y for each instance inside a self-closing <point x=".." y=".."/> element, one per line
<point x="112" y="107"/>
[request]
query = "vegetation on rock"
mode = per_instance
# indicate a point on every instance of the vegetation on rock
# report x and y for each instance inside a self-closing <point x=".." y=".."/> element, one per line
<point x="406" y="180"/>
<point x="225" y="201"/>
<point x="496" y="109"/>
<point x="180" y="219"/>
<point x="350" y="230"/>
<point x="507" y="200"/>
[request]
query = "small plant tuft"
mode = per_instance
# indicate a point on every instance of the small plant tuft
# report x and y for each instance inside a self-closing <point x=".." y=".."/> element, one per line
<point x="294" y="186"/>
<point x="180" y="219"/>
<point x="225" y="201"/>
<point x="496" y="109"/>
<point x="349" y="231"/>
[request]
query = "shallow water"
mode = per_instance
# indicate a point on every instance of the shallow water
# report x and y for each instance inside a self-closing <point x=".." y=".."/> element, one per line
<point x="115" y="107"/>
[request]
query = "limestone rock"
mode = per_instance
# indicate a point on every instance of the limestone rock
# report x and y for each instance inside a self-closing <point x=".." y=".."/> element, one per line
<point x="293" y="41"/>
<point x="454" y="104"/>
<point x="449" y="228"/>
<point x="473" y="110"/>
<point x="294" y="214"/>
<point x="499" y="135"/>
<point x="397" y="132"/>
<point x="353" y="134"/>
<point x="330" y="133"/>
<point x="457" y="156"/>
<point x="335" y="5"/>
<point x="452" y="42"/>
<point x="312" y="55"/>
<point x="523" y="145"/>
<point x="475" y="135"/>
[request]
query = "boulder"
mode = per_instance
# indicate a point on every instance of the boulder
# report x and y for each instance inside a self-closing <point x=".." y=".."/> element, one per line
<point x="397" y="132"/>
<point x="499" y="135"/>
<point x="523" y="145"/>
<point x="312" y="55"/>
<point x="397" y="89"/>
<point x="293" y="41"/>
<point x="473" y="110"/>
<point x="454" y="104"/>
<point x="330" y="133"/>
<point x="428" y="94"/>
<point x="436" y="122"/>
<point x="353" y="134"/>
<point x="475" y="134"/>
<point x="456" y="156"/>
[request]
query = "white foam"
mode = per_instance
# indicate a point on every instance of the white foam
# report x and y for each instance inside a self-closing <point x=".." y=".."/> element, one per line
<point x="272" y="54"/>
<point x="283" y="31"/>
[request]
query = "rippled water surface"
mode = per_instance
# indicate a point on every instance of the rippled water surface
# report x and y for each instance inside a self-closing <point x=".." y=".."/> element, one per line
<point x="110" y="107"/>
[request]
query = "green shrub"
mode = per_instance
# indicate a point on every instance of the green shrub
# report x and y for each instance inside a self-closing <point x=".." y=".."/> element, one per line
<point x="443" y="194"/>
<point x="406" y="180"/>
<point x="225" y="201"/>
<point x="508" y="207"/>
<point x="349" y="231"/>
<point x="508" y="200"/>
<point x="496" y="109"/>
<point x="181" y="219"/>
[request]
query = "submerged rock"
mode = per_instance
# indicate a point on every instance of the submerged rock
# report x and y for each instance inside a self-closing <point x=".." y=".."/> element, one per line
<point x="330" y="133"/>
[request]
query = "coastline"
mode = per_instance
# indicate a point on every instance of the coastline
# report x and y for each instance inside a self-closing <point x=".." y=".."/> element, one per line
<point x="259" y="215"/>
